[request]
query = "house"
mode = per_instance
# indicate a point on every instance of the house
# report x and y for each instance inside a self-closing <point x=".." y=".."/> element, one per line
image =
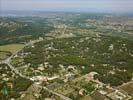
<point x="118" y="95"/>
<point x="91" y="75"/>
<point x="82" y="92"/>
<point x="54" y="77"/>
<point x="39" y="78"/>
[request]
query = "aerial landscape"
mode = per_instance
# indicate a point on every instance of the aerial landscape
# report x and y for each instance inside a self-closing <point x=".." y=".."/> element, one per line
<point x="83" y="51"/>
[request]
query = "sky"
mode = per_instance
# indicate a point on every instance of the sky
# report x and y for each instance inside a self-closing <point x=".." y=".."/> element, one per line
<point x="117" y="6"/>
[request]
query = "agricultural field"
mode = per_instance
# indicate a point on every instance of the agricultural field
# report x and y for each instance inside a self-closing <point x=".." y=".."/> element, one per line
<point x="4" y="55"/>
<point x="128" y="87"/>
<point x="11" y="47"/>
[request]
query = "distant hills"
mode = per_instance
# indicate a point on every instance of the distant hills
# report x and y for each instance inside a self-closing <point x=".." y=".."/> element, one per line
<point x="22" y="13"/>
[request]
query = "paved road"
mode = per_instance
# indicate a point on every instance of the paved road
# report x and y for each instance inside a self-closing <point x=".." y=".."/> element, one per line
<point x="8" y="62"/>
<point x="55" y="93"/>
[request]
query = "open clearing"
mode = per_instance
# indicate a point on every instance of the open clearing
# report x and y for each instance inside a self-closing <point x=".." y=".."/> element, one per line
<point x="11" y="47"/>
<point x="4" y="55"/>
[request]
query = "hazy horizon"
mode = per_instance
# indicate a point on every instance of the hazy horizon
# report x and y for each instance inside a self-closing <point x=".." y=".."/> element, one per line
<point x="104" y="6"/>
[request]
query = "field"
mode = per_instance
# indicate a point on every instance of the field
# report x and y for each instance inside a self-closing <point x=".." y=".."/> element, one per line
<point x="4" y="55"/>
<point x="11" y="47"/>
<point x="128" y="88"/>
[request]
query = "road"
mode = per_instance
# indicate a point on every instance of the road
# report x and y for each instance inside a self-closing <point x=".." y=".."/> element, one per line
<point x="55" y="93"/>
<point x="8" y="62"/>
<point x="65" y="27"/>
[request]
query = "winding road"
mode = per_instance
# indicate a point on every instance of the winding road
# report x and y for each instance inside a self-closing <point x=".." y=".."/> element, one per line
<point x="8" y="62"/>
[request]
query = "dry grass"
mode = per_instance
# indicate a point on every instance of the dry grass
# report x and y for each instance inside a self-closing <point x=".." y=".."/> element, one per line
<point x="3" y="55"/>
<point x="11" y="47"/>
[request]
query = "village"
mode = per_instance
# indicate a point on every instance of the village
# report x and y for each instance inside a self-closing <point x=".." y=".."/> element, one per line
<point x="66" y="57"/>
